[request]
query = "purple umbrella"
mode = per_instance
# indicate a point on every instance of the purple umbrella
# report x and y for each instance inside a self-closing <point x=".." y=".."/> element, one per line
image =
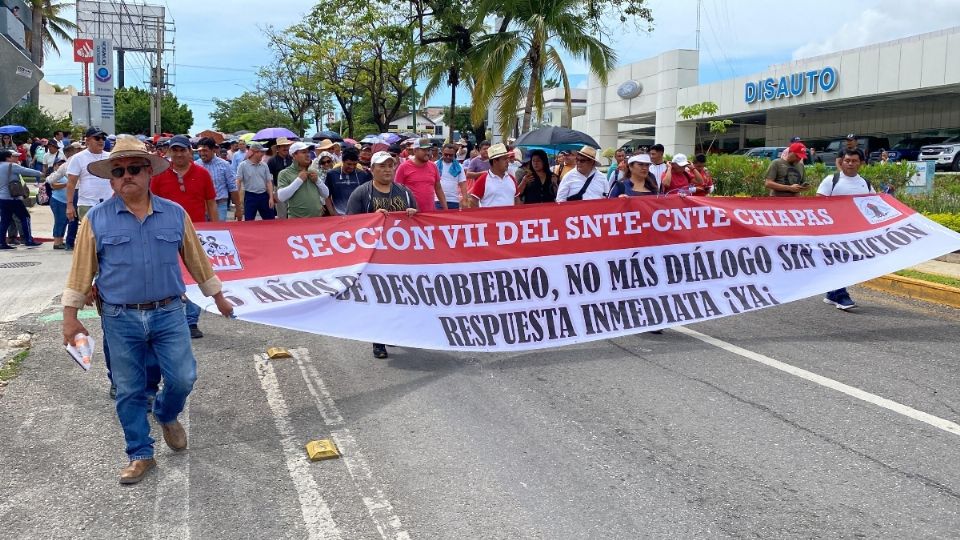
<point x="273" y="133"/>
<point x="390" y="138"/>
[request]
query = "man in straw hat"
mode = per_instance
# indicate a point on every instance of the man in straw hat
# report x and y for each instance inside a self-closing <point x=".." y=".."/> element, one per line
<point x="496" y="186"/>
<point x="586" y="182"/>
<point x="136" y="233"/>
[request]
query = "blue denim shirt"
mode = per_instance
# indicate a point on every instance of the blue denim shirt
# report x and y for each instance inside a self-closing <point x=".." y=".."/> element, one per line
<point x="138" y="261"/>
<point x="224" y="177"/>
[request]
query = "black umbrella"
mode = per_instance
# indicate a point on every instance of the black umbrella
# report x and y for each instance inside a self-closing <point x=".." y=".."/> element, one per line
<point x="332" y="135"/>
<point x="555" y="136"/>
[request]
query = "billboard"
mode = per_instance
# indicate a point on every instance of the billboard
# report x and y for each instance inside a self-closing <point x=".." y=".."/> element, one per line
<point x="83" y="51"/>
<point x="132" y="27"/>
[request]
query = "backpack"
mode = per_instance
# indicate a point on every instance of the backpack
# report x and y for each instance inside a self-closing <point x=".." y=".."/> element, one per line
<point x="44" y="194"/>
<point x="836" y="179"/>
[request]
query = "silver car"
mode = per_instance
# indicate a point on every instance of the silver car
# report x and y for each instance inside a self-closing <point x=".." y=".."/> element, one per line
<point x="946" y="153"/>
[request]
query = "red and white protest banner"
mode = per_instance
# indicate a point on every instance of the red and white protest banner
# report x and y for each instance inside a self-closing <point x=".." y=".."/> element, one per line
<point x="547" y="275"/>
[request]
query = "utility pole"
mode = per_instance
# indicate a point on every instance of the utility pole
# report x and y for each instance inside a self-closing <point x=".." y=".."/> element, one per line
<point x="157" y="80"/>
<point x="699" y="4"/>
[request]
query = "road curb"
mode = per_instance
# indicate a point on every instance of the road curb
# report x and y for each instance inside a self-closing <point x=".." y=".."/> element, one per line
<point x="917" y="289"/>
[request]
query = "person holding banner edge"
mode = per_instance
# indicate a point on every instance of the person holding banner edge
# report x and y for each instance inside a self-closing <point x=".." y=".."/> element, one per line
<point x="141" y="318"/>
<point x="381" y="194"/>
<point x="846" y="181"/>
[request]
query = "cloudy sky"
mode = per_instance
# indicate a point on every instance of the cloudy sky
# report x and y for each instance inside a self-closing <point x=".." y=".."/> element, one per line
<point x="219" y="45"/>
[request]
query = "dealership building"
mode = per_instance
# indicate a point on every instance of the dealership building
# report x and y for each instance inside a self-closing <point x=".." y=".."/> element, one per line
<point x="904" y="88"/>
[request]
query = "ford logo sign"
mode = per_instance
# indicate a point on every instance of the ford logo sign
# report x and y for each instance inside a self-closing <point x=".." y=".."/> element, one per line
<point x="630" y="90"/>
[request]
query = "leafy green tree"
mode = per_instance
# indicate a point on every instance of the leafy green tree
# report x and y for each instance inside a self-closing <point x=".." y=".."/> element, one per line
<point x="699" y="110"/>
<point x="513" y="62"/>
<point x="133" y="113"/>
<point x="49" y="25"/>
<point x="38" y="122"/>
<point x="248" y="111"/>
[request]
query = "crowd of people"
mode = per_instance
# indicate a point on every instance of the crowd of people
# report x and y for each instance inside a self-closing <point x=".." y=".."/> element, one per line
<point x="136" y="201"/>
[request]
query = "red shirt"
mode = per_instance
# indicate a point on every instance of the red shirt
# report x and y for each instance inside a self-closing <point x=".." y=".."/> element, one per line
<point x="198" y="189"/>
<point x="421" y="180"/>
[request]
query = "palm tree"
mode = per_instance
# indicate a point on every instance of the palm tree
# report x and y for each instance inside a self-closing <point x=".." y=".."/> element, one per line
<point x="515" y="61"/>
<point x="48" y="27"/>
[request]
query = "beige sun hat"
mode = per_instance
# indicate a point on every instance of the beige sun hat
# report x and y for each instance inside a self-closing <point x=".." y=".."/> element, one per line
<point x="127" y="147"/>
<point x="497" y="150"/>
<point x="589" y="152"/>
<point x="325" y="144"/>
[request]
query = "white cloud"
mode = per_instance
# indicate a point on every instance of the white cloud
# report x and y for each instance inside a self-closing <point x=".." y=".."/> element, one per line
<point x="885" y="20"/>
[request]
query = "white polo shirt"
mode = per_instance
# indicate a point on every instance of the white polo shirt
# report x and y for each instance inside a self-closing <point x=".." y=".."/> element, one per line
<point x="91" y="190"/>
<point x="571" y="184"/>
<point x="450" y="183"/>
<point x="493" y="190"/>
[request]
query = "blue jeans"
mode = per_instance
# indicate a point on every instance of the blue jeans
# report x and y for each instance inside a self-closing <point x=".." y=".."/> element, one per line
<point x="133" y="335"/>
<point x="72" y="225"/>
<point x="192" y="312"/>
<point x="450" y="205"/>
<point x="8" y="209"/>
<point x="59" y="210"/>
<point x="254" y="203"/>
<point x="222" y="209"/>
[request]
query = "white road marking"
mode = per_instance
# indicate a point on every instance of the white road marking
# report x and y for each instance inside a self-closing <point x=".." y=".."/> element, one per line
<point x="381" y="511"/>
<point x="874" y="399"/>
<point x="316" y="513"/>
<point x="171" y="507"/>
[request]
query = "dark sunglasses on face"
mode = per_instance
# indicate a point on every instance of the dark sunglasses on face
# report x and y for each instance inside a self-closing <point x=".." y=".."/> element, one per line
<point x="134" y="170"/>
<point x="584" y="160"/>
<point x="326" y="162"/>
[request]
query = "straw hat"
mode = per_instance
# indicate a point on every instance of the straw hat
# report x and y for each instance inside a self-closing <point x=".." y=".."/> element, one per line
<point x="127" y="147"/>
<point x="325" y="144"/>
<point x="497" y="150"/>
<point x="283" y="141"/>
<point x="589" y="152"/>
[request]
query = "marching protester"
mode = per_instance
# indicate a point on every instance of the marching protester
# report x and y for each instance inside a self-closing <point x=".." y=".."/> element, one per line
<point x="657" y="165"/>
<point x="58" y="197"/>
<point x="785" y="177"/>
<point x="239" y="155"/>
<point x="326" y="146"/>
<point x="586" y="182"/>
<point x="453" y="179"/>
<point x="53" y="156"/>
<point x="421" y="176"/>
<point x="539" y="184"/>
<point x="189" y="185"/>
<point x="496" y="187"/>
<point x="680" y="176"/>
<point x="12" y="193"/>
<point x="637" y="180"/>
<point x="89" y="188"/>
<point x="619" y="166"/>
<point x="479" y="164"/>
<point x="279" y="161"/>
<point x="224" y="178"/>
<point x="846" y="181"/>
<point x="850" y="143"/>
<point x="254" y="181"/>
<point x="704" y="178"/>
<point x="341" y="181"/>
<point x="301" y="186"/>
<point x="142" y="319"/>
<point x="566" y="162"/>
<point x="366" y="152"/>
<point x="381" y="194"/>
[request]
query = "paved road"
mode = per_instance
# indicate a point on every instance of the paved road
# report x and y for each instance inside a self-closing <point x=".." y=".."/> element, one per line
<point x="656" y="436"/>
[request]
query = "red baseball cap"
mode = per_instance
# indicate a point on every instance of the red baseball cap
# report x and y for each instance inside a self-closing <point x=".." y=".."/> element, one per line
<point x="799" y="149"/>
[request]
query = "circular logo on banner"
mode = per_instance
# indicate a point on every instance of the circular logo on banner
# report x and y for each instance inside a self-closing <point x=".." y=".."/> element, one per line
<point x="630" y="90"/>
<point x="103" y="74"/>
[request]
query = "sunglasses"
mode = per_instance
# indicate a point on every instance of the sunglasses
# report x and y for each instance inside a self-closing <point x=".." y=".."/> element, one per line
<point x="584" y="160"/>
<point x="134" y="170"/>
<point x="326" y="162"/>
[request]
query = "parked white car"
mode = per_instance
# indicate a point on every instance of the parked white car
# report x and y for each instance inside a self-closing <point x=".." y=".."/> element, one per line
<point x="946" y="153"/>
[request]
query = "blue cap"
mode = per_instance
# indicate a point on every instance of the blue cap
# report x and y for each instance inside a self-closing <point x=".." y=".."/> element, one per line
<point x="180" y="141"/>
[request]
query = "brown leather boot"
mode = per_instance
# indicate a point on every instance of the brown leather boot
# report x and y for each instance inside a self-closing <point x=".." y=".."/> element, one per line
<point x="136" y="470"/>
<point x="174" y="435"/>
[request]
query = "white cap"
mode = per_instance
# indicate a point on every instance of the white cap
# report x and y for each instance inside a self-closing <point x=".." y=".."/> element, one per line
<point x="381" y="157"/>
<point x="298" y="146"/>
<point x="639" y="158"/>
<point x="680" y="160"/>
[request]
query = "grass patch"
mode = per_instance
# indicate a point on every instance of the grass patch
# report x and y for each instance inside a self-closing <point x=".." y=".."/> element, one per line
<point x="12" y="368"/>
<point x="933" y="278"/>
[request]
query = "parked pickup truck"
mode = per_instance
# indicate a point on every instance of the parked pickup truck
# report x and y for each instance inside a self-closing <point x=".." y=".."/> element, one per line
<point x="946" y="153"/>
<point x="867" y="144"/>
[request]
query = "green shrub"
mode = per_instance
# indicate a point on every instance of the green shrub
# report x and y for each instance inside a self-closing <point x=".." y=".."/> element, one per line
<point x="744" y="176"/>
<point x="891" y="174"/>
<point x="950" y="221"/>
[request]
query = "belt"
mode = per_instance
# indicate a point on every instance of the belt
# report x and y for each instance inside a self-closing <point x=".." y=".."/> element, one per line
<point x="151" y="305"/>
